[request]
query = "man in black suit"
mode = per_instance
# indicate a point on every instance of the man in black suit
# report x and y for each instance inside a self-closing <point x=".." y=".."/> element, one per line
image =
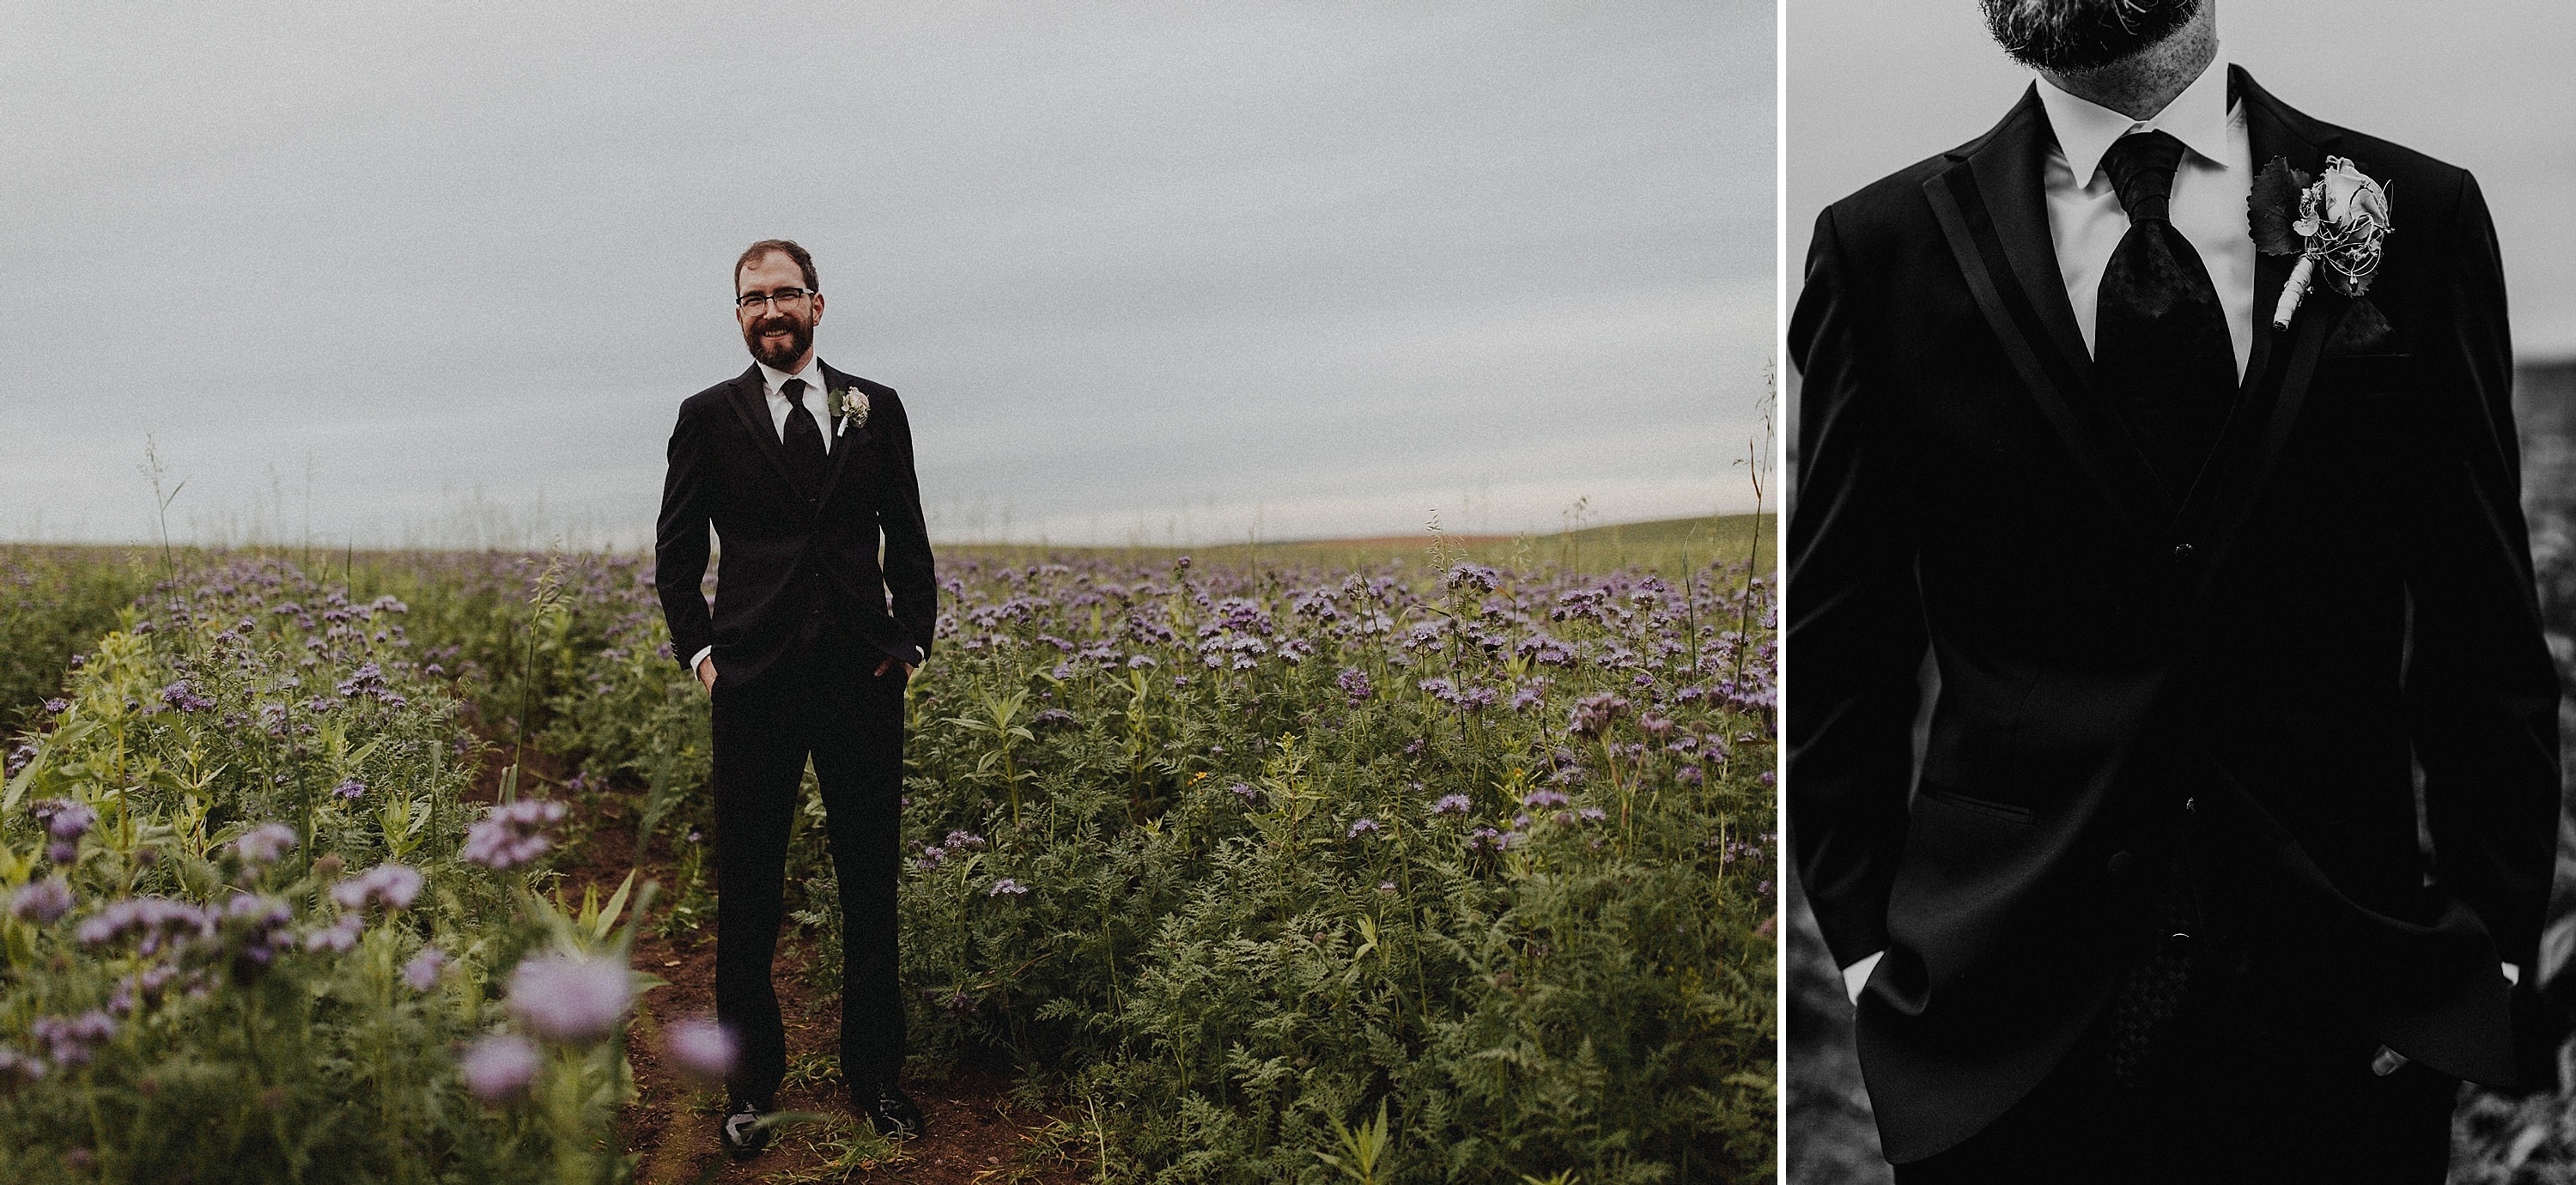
<point x="801" y="469"/>
<point x="2209" y="606"/>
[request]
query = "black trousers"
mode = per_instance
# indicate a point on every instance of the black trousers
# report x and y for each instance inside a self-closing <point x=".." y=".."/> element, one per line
<point x="825" y="702"/>
<point x="2262" y="1087"/>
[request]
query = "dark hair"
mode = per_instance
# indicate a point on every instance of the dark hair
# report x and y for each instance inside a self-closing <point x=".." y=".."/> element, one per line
<point x="786" y="247"/>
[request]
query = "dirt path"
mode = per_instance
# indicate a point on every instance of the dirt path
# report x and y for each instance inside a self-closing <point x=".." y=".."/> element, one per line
<point x="978" y="1136"/>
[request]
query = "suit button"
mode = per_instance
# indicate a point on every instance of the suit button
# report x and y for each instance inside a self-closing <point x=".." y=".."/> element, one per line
<point x="2182" y="551"/>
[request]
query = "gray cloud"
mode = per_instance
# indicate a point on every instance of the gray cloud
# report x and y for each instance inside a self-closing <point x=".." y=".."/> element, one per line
<point x="1139" y="270"/>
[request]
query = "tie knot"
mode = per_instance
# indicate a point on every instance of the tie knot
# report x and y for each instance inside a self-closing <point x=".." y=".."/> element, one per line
<point x="794" y="390"/>
<point x="2142" y="170"/>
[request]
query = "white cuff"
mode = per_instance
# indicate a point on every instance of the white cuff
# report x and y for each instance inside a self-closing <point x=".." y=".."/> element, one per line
<point x="1856" y="976"/>
<point x="2513" y="973"/>
<point x="699" y="657"/>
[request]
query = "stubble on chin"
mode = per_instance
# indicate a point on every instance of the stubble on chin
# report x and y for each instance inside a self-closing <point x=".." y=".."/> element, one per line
<point x="2073" y="36"/>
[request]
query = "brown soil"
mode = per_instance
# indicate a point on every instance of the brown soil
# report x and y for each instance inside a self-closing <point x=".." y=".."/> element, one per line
<point x="978" y="1135"/>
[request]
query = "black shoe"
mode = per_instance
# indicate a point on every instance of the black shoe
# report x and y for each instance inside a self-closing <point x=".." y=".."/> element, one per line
<point x="888" y="1109"/>
<point x="744" y="1134"/>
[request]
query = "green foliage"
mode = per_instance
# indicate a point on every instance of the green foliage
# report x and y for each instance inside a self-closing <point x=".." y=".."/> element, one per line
<point x="1177" y="844"/>
<point x="244" y="1006"/>
<point x="53" y="602"/>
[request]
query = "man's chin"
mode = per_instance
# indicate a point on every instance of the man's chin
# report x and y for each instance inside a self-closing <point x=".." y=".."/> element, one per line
<point x="780" y="357"/>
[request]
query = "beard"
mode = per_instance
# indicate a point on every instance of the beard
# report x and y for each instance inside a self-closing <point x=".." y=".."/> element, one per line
<point x="800" y="338"/>
<point x="2072" y="36"/>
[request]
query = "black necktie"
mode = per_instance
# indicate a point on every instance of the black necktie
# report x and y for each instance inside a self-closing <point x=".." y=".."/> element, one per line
<point x="804" y="444"/>
<point x="2161" y="354"/>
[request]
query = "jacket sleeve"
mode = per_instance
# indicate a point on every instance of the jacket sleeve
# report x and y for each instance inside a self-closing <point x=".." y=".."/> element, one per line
<point x="1856" y="632"/>
<point x="910" y="575"/>
<point x="2481" y="690"/>
<point x="680" y="539"/>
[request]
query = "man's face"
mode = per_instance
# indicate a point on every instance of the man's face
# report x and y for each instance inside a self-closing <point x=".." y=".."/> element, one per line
<point x="2072" y="36"/>
<point x="779" y="332"/>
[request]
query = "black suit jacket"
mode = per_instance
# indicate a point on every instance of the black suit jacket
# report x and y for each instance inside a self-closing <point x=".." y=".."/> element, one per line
<point x="794" y="559"/>
<point x="2345" y="595"/>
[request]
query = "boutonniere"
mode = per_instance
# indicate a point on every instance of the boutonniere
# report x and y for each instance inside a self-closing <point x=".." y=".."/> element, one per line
<point x="2337" y="220"/>
<point x="854" y="410"/>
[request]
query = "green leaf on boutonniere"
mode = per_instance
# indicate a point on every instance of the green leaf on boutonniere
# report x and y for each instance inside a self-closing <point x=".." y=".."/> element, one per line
<point x="2273" y="206"/>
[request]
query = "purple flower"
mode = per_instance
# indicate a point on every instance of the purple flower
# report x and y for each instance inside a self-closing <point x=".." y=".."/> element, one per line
<point x="353" y="789"/>
<point x="156" y="921"/>
<point x="256" y="929"/>
<point x="62" y="851"/>
<point x="959" y="841"/>
<point x="513" y="835"/>
<point x="1354" y="683"/>
<point x="1007" y="886"/>
<point x="1591" y="814"/>
<point x="1593" y="713"/>
<point x="1687" y="775"/>
<point x="64" y="818"/>
<point x="185" y="698"/>
<point x="1250" y="796"/>
<point x="1453" y="804"/>
<point x="337" y="937"/>
<point x="573" y="999"/>
<point x="43" y="902"/>
<point x="56" y="707"/>
<point x="499" y="1067"/>
<point x="265" y="843"/>
<point x="366" y="680"/>
<point x="1544" y="798"/>
<point x="701" y="1049"/>
<point x="422" y="971"/>
<point x="70" y="1038"/>
<point x="395" y="885"/>
<point x="1363" y="827"/>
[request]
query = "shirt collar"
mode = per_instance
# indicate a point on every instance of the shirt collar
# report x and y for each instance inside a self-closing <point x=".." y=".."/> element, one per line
<point x="776" y="378"/>
<point x="2085" y="129"/>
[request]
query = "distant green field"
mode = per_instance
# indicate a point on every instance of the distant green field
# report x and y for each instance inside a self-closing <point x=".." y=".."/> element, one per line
<point x="1665" y="546"/>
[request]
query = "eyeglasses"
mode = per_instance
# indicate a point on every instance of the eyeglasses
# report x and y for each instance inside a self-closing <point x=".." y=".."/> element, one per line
<point x="785" y="298"/>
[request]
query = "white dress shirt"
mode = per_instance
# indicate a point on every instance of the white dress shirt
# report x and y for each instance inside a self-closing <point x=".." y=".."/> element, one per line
<point x="817" y="400"/>
<point x="2085" y="222"/>
<point x="2085" y="225"/>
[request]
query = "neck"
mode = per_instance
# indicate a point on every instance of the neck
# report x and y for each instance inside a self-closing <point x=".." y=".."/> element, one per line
<point x="797" y="367"/>
<point x="2142" y="84"/>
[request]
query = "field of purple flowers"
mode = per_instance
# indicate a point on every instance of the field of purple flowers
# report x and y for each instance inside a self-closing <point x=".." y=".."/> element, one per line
<point x="1452" y="871"/>
<point x="254" y="931"/>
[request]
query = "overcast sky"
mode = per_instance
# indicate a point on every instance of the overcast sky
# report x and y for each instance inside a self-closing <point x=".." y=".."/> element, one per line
<point x="1873" y="87"/>
<point x="1140" y="271"/>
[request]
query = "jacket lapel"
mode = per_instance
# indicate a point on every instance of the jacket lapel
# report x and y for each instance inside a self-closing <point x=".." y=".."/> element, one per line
<point x="1992" y="209"/>
<point x="749" y="398"/>
<point x="2283" y="361"/>
<point x="846" y="443"/>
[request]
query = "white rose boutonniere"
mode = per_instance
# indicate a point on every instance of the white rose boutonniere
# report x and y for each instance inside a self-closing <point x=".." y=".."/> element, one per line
<point x="854" y="410"/>
<point x="2339" y="220"/>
